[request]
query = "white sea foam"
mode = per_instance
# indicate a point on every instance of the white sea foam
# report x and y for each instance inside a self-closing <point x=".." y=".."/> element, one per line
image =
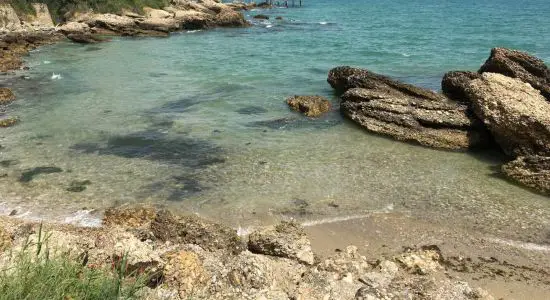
<point x="269" y="26"/>
<point x="521" y="245"/>
<point x="56" y="76"/>
<point x="323" y="23"/>
<point x="83" y="218"/>
<point x="47" y="62"/>
<point x="405" y="54"/>
<point x="192" y="31"/>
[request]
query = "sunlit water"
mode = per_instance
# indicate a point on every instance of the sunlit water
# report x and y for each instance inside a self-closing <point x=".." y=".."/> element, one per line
<point x="198" y="121"/>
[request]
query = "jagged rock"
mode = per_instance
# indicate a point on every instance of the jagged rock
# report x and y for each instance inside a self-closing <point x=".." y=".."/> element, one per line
<point x="517" y="115"/>
<point x="311" y="106"/>
<point x="139" y="256"/>
<point x="6" y="96"/>
<point x="193" y="230"/>
<point x="129" y="217"/>
<point x="422" y="261"/>
<point x="184" y="271"/>
<point x="42" y="16"/>
<point x="532" y="171"/>
<point x="8" y="18"/>
<point x="347" y="261"/>
<point x="286" y="239"/>
<point x="74" y="28"/>
<point x="5" y="239"/>
<point x="406" y="112"/>
<point x="454" y="84"/>
<point x="230" y="18"/>
<point x="85" y="38"/>
<point x="521" y="65"/>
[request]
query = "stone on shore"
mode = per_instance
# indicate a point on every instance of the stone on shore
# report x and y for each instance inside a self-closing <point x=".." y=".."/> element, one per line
<point x="516" y="114"/>
<point x="520" y="65"/>
<point x="532" y="171"/>
<point x="311" y="106"/>
<point x="454" y="85"/>
<point x="6" y="96"/>
<point x="286" y="239"/>
<point x="406" y="112"/>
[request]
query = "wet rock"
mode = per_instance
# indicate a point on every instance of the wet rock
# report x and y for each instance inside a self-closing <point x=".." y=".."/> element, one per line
<point x="422" y="261"/>
<point x="521" y="65"/>
<point x="407" y="113"/>
<point x="85" y="38"/>
<point x="78" y="185"/>
<point x="129" y="216"/>
<point x="230" y="18"/>
<point x="29" y="174"/>
<point x="6" y="96"/>
<point x="8" y="121"/>
<point x="286" y="239"/>
<point x="517" y="115"/>
<point x="193" y="230"/>
<point x="184" y="271"/>
<point x="311" y="106"/>
<point x="15" y="45"/>
<point x="278" y="18"/>
<point x="261" y="17"/>
<point x="532" y="171"/>
<point x="454" y="84"/>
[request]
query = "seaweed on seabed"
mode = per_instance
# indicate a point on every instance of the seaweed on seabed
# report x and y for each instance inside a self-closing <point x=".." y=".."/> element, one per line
<point x="28" y="175"/>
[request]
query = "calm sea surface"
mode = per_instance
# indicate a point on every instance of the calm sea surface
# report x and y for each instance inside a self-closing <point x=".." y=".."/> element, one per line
<point x="198" y="121"/>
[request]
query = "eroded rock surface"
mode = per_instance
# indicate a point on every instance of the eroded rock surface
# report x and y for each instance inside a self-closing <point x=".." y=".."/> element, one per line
<point x="517" y="115"/>
<point x="6" y="95"/>
<point x="532" y="171"/>
<point x="455" y="83"/>
<point x="520" y="65"/>
<point x="311" y="106"/>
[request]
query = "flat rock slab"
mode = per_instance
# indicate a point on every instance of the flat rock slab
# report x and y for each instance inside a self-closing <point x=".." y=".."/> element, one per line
<point x="521" y="65"/>
<point x="406" y="112"/>
<point x="517" y="115"/>
<point x="532" y="171"/>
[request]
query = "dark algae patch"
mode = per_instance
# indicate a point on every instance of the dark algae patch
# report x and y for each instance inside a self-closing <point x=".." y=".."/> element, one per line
<point x="78" y="186"/>
<point x="28" y="175"/>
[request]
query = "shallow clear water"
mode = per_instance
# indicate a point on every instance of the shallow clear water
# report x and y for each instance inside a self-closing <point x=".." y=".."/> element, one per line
<point x="198" y="121"/>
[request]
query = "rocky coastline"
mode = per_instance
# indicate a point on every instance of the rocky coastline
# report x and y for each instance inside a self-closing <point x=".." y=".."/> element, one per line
<point x="504" y="105"/>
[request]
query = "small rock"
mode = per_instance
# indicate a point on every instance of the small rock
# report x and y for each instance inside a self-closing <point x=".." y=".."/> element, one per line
<point x="261" y="17"/>
<point x="8" y="121"/>
<point x="78" y="186"/>
<point x="311" y="106"/>
<point x="6" y="95"/>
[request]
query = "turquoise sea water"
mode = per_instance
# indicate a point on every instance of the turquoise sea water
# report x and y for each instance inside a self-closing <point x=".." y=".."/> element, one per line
<point x="198" y="121"/>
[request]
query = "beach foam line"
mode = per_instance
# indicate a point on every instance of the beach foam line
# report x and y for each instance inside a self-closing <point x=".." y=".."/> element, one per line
<point x="521" y="245"/>
<point x="337" y="219"/>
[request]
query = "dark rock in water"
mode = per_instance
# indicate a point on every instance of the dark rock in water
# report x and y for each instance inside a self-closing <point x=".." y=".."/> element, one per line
<point x="287" y="239"/>
<point x="13" y="212"/>
<point x="251" y="110"/>
<point x="521" y="65"/>
<point x="6" y="95"/>
<point x="261" y="17"/>
<point x="28" y="175"/>
<point x="294" y="123"/>
<point x="311" y="106"/>
<point x="532" y="171"/>
<point x="78" y="186"/>
<point x="278" y="18"/>
<point x="516" y="114"/>
<point x="406" y="112"/>
<point x="85" y="38"/>
<point x="8" y="163"/>
<point x="454" y="84"/>
<point x="193" y="230"/>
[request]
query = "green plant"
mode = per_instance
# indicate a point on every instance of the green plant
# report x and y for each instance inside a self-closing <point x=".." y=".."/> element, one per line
<point x="33" y="273"/>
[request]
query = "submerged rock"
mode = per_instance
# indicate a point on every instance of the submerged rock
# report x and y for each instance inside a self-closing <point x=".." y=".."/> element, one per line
<point x="517" y="115"/>
<point x="311" y="106"/>
<point x="85" y="38"/>
<point x="455" y="83"/>
<point x="261" y="17"/>
<point x="286" y="239"/>
<point x="520" y="65"/>
<point x="6" y="95"/>
<point x="532" y="171"/>
<point x="78" y="186"/>
<point x="8" y="121"/>
<point x="406" y="112"/>
<point x="28" y="175"/>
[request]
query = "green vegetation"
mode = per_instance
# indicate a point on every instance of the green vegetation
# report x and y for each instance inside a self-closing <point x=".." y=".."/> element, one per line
<point x="58" y="8"/>
<point x="33" y="274"/>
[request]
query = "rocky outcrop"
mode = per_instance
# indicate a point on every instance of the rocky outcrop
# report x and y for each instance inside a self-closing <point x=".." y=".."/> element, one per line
<point x="520" y="65"/>
<point x="311" y="106"/>
<point x="42" y="16"/>
<point x="406" y="112"/>
<point x="6" y="96"/>
<point x="286" y="239"/>
<point x="532" y="171"/>
<point x="8" y="18"/>
<point x="455" y="83"/>
<point x="516" y="114"/>
<point x="16" y="44"/>
<point x="85" y="38"/>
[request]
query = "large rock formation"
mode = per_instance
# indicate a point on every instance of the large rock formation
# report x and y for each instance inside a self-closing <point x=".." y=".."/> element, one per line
<point x="454" y="84"/>
<point x="517" y="115"/>
<point x="42" y="16"/>
<point x="521" y="65"/>
<point x="406" y="112"/>
<point x="8" y="18"/>
<point x="532" y="171"/>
